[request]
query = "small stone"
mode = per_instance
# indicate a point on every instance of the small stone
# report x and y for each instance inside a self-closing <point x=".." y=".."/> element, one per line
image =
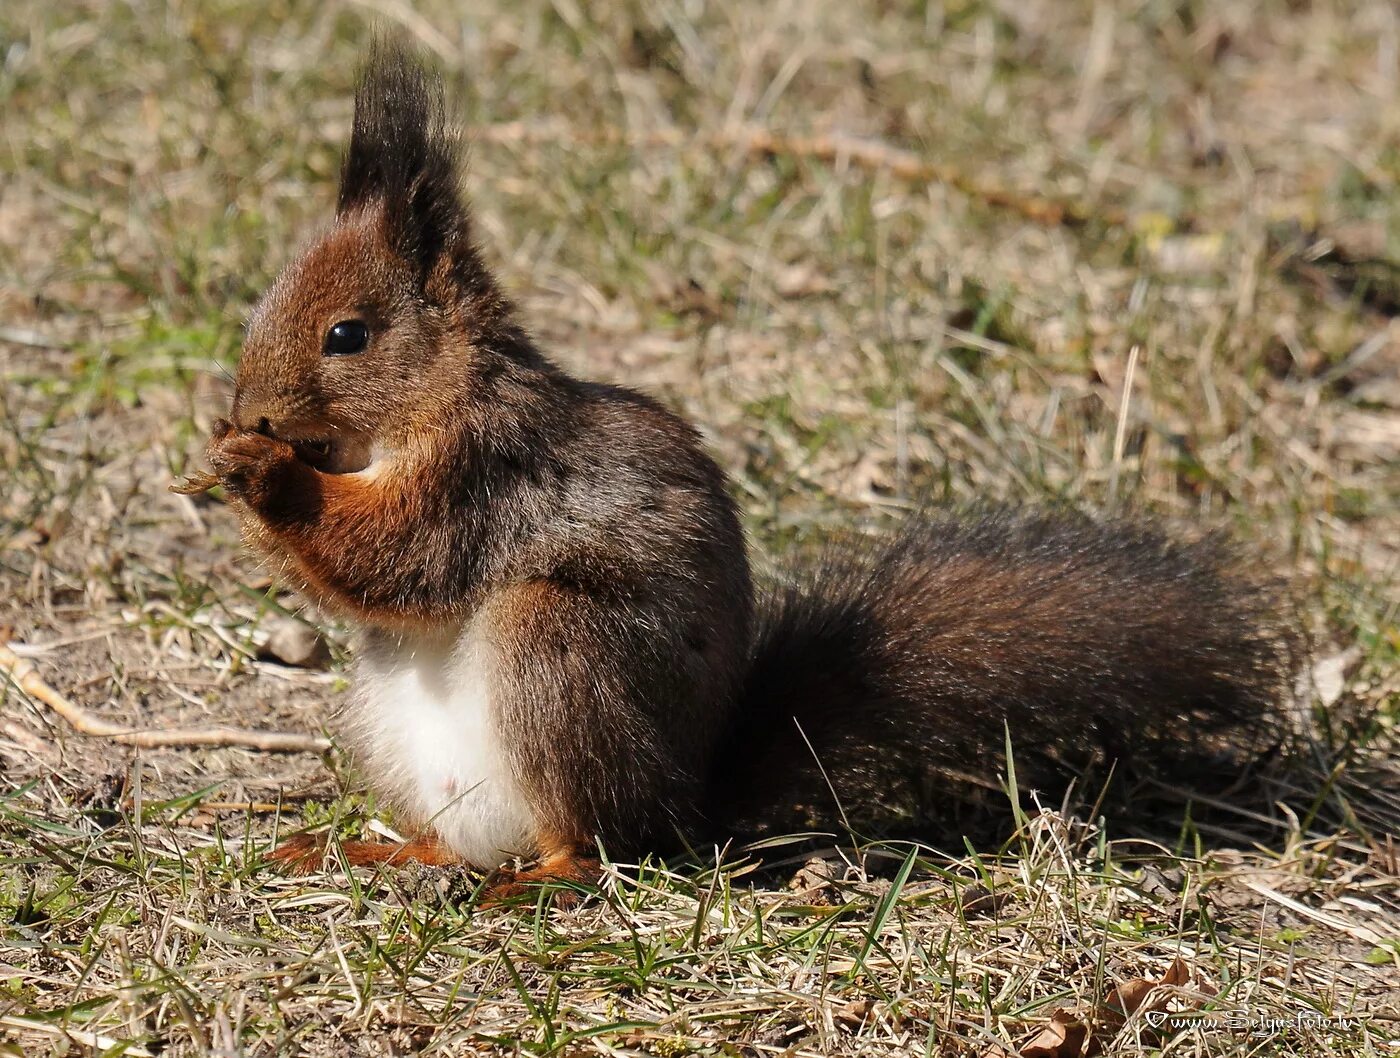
<point x="1329" y="674"/>
<point x="294" y="643"/>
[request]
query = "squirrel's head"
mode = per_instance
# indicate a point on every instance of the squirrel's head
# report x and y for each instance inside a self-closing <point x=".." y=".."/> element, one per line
<point x="356" y="334"/>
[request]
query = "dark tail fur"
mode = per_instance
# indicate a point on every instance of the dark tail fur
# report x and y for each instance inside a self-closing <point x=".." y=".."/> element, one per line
<point x="887" y="683"/>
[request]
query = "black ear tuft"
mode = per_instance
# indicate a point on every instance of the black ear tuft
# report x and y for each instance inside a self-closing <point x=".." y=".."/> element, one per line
<point x="403" y="155"/>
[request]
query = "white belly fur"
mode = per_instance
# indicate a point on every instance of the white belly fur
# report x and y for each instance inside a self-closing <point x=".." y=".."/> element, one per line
<point x="428" y="738"/>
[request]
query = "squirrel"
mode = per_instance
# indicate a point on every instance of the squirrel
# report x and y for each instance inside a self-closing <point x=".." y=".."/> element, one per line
<point x="560" y="647"/>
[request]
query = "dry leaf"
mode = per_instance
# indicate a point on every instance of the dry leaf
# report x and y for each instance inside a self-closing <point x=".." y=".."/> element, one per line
<point x="977" y="899"/>
<point x="853" y="1014"/>
<point x="1064" y="1037"/>
<point x="1129" y="998"/>
<point x="1178" y="974"/>
<point x="1068" y="1037"/>
<point x="1123" y="1002"/>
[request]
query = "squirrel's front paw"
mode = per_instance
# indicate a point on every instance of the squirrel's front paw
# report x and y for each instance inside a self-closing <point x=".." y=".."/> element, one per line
<point x="246" y="463"/>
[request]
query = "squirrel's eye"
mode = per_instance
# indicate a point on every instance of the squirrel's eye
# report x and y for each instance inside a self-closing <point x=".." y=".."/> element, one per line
<point x="346" y="338"/>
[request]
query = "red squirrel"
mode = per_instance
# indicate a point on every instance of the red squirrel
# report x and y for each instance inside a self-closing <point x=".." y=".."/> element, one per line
<point x="559" y="645"/>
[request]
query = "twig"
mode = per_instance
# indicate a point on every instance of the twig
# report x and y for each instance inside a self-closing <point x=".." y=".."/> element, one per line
<point x="94" y="1040"/>
<point x="32" y="338"/>
<point x="24" y="675"/>
<point x="1120" y="432"/>
<point x="241" y="806"/>
<point x="1361" y="933"/>
<point x="865" y="154"/>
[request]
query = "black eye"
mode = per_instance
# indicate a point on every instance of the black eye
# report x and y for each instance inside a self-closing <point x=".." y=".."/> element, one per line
<point x="346" y="338"/>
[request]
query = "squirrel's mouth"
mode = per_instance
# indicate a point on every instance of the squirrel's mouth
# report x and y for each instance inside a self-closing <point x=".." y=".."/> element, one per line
<point x="345" y="453"/>
<point x="318" y="453"/>
<point x="324" y="447"/>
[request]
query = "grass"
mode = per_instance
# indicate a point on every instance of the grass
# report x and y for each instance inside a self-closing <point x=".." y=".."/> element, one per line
<point x="853" y="342"/>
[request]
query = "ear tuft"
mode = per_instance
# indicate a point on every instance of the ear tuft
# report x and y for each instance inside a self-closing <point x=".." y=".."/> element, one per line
<point x="403" y="155"/>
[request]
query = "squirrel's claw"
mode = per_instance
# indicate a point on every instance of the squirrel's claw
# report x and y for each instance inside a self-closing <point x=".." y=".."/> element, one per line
<point x="506" y="886"/>
<point x="244" y="461"/>
<point x="506" y="883"/>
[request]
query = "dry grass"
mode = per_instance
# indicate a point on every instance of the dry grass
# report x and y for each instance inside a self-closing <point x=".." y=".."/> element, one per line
<point x="1217" y="340"/>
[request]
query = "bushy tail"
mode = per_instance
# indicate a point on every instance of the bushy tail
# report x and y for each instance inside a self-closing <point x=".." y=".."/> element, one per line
<point x="884" y="684"/>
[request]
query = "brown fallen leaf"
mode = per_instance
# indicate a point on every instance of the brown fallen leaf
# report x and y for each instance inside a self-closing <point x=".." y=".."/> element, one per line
<point x="1064" y="1037"/>
<point x="977" y="899"/>
<point x="1070" y="1037"/>
<point x="1126" y="1000"/>
<point x="855" y="1014"/>
<point x="1131" y="998"/>
<point x="996" y="1049"/>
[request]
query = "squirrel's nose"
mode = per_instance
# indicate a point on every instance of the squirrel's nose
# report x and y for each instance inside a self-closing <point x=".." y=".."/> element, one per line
<point x="255" y="412"/>
<point x="245" y="417"/>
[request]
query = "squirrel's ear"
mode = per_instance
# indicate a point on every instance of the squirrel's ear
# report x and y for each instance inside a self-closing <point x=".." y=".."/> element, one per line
<point x="404" y="157"/>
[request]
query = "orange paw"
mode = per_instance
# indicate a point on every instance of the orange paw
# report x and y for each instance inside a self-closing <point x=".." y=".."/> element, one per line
<point x="508" y="884"/>
<point x="245" y="462"/>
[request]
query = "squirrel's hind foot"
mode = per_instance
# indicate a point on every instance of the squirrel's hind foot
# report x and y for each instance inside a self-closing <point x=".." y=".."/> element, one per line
<point x="506" y="883"/>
